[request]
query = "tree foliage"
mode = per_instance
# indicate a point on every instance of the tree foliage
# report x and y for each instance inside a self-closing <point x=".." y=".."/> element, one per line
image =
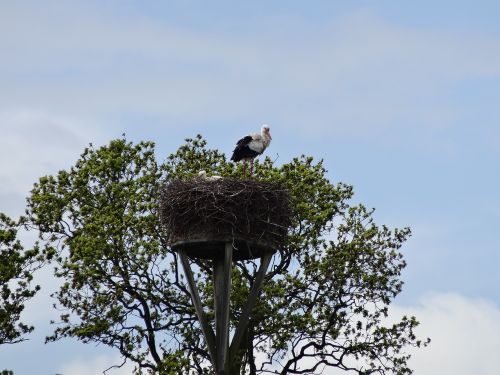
<point x="16" y="274"/>
<point x="323" y="304"/>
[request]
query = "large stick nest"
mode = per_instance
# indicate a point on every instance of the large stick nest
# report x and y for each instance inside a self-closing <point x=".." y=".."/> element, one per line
<point x="226" y="209"/>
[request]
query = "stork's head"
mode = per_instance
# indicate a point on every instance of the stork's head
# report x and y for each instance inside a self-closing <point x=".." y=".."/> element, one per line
<point x="265" y="130"/>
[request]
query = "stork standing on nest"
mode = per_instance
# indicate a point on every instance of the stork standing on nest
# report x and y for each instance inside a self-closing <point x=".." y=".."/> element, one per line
<point x="250" y="146"/>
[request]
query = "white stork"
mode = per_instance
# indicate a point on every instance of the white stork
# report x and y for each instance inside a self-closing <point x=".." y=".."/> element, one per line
<point x="250" y="146"/>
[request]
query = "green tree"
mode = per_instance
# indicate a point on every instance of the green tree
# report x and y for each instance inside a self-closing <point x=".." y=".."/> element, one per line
<point x="16" y="274"/>
<point x="323" y="303"/>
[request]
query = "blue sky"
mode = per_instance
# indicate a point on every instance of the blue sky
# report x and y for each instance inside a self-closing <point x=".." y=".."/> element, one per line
<point x="400" y="99"/>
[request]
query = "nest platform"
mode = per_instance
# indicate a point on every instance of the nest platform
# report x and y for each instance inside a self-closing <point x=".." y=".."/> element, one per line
<point x="200" y="216"/>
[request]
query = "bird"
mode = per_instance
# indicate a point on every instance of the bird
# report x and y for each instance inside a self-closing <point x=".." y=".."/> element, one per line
<point x="250" y="146"/>
<point x="203" y="175"/>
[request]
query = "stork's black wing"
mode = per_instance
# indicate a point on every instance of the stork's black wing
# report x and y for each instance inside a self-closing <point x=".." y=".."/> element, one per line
<point x="244" y="141"/>
<point x="242" y="150"/>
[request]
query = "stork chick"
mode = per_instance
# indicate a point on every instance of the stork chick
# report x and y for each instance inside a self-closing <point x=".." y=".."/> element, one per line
<point x="203" y="175"/>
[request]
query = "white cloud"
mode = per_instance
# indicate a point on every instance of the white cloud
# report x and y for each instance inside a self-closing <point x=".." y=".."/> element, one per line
<point x="96" y="366"/>
<point x="39" y="310"/>
<point x="35" y="143"/>
<point x="359" y="72"/>
<point x="465" y="334"/>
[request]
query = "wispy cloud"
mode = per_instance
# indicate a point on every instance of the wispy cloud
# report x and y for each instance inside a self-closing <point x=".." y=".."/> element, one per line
<point x="34" y="143"/>
<point x="96" y="365"/>
<point x="358" y="72"/>
<point x="465" y="335"/>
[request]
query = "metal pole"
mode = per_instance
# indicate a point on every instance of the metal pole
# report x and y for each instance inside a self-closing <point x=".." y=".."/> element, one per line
<point x="222" y="288"/>
<point x="221" y="353"/>
<point x="252" y="298"/>
<point x="195" y="297"/>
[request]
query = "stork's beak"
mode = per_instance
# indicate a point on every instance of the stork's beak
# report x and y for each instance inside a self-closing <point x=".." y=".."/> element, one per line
<point x="269" y="132"/>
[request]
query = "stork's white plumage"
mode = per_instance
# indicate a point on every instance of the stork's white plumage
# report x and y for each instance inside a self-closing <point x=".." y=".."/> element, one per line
<point x="252" y="145"/>
<point x="203" y="174"/>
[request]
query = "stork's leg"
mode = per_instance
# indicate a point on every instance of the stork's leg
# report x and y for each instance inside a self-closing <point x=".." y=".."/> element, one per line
<point x="251" y="167"/>
<point x="244" y="167"/>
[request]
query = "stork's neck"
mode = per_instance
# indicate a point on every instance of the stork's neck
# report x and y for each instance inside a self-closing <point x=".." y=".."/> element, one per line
<point x="266" y="137"/>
